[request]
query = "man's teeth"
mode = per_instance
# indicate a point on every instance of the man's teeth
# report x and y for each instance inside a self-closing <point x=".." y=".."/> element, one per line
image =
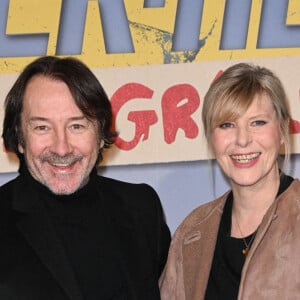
<point x="60" y="165"/>
<point x="244" y="158"/>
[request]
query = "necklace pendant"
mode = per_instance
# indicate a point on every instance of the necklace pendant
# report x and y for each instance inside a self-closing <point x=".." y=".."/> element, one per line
<point x="245" y="251"/>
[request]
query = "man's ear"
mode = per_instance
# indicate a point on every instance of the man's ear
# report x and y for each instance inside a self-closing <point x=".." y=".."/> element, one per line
<point x="101" y="144"/>
<point x="19" y="135"/>
<point x="21" y="148"/>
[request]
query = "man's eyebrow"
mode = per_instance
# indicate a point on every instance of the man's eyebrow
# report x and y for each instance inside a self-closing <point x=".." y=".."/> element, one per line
<point x="33" y="119"/>
<point x="76" y="118"/>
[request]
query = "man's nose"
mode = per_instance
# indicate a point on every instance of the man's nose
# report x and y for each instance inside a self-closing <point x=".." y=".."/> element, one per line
<point x="61" y="143"/>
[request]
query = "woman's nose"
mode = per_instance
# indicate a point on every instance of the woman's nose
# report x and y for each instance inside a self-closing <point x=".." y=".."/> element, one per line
<point x="243" y="136"/>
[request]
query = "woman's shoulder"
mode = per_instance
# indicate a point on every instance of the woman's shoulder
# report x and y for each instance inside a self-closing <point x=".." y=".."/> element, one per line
<point x="202" y="212"/>
<point x="293" y="190"/>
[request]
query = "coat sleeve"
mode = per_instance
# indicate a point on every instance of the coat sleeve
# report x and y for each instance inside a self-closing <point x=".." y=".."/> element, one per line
<point x="162" y="234"/>
<point x="164" y="239"/>
<point x="171" y="281"/>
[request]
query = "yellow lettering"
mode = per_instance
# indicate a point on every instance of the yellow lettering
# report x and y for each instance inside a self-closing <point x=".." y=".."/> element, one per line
<point x="93" y="46"/>
<point x="293" y="13"/>
<point x="152" y="31"/>
<point x="35" y="16"/>
<point x="211" y="29"/>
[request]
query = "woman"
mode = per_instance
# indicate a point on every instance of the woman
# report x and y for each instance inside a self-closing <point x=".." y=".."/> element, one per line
<point x="245" y="244"/>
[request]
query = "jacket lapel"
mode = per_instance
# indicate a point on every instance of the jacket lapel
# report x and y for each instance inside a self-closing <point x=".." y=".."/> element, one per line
<point x="36" y="228"/>
<point x="198" y="249"/>
<point x="267" y="220"/>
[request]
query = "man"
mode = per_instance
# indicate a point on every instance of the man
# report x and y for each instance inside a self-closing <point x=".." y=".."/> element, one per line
<point x="65" y="232"/>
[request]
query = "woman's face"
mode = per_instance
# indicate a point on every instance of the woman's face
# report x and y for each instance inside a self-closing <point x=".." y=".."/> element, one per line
<point x="247" y="148"/>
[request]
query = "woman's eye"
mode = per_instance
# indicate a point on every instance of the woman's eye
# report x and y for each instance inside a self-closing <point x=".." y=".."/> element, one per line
<point x="226" y="125"/>
<point x="259" y="123"/>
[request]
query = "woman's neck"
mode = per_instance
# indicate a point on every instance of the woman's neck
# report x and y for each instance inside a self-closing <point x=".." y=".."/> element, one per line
<point x="250" y="204"/>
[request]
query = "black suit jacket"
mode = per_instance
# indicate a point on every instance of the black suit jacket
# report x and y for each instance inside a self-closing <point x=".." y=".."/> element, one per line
<point x="33" y="264"/>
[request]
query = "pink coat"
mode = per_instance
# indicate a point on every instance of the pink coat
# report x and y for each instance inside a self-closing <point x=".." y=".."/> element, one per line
<point x="271" y="269"/>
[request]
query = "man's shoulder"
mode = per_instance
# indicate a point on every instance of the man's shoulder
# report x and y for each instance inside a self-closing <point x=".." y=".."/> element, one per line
<point x="137" y="202"/>
<point x="7" y="192"/>
<point x="119" y="186"/>
<point x="132" y="193"/>
<point x="9" y="187"/>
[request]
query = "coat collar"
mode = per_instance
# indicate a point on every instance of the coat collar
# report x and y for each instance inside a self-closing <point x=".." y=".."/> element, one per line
<point x="267" y="220"/>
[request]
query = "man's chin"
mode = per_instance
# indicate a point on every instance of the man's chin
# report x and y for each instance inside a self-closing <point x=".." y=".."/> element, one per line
<point x="63" y="189"/>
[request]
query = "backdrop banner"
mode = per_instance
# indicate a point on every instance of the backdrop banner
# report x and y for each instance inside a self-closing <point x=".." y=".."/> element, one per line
<point x="156" y="92"/>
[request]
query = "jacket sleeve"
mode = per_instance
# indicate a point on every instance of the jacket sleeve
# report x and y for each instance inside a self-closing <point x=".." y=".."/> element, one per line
<point x="161" y="237"/>
<point x="164" y="239"/>
<point x="171" y="281"/>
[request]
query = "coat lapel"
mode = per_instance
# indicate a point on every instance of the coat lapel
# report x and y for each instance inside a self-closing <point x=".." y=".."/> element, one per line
<point x="36" y="228"/>
<point x="198" y="249"/>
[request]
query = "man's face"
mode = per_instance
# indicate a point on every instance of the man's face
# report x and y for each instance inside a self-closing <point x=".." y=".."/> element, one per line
<point x="60" y="144"/>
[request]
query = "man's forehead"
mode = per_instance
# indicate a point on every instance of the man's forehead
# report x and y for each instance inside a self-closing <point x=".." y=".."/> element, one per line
<point x="43" y="93"/>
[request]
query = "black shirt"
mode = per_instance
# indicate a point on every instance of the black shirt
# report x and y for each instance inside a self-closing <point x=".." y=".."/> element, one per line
<point x="85" y="232"/>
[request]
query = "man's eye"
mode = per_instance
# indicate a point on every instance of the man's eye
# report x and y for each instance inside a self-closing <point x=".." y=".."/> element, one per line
<point x="78" y="127"/>
<point x="41" y="128"/>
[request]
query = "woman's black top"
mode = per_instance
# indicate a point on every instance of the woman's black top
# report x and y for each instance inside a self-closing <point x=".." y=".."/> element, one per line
<point x="228" y="260"/>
